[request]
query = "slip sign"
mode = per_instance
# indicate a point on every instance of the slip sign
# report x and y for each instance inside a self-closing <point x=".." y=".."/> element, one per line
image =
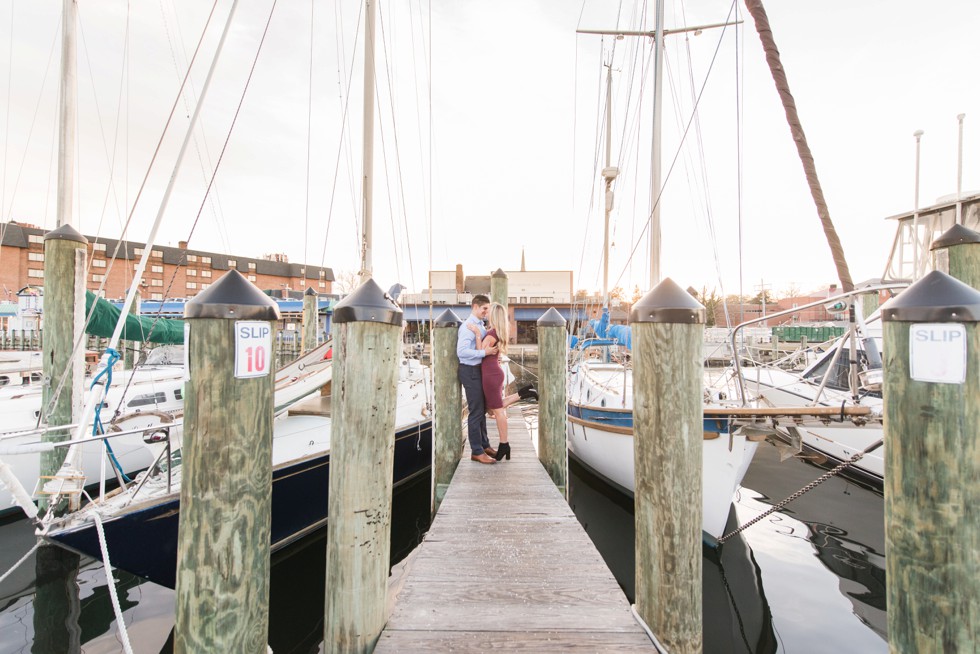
<point x="937" y="352"/>
<point x="253" y="349"/>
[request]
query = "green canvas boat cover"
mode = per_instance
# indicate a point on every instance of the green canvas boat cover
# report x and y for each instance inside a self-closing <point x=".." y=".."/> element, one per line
<point x="150" y="329"/>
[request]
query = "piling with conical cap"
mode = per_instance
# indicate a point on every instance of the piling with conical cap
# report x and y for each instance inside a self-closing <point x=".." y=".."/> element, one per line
<point x="225" y="497"/>
<point x="553" y="396"/>
<point x="365" y="377"/>
<point x="448" y="447"/>
<point x="957" y="253"/>
<point x="932" y="465"/>
<point x="668" y="328"/>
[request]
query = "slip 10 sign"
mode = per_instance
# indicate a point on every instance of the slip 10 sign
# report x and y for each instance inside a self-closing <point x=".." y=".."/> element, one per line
<point x="253" y="349"/>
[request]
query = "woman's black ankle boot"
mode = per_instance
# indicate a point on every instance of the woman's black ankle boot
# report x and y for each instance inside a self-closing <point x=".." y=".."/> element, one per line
<point x="503" y="450"/>
<point x="528" y="392"/>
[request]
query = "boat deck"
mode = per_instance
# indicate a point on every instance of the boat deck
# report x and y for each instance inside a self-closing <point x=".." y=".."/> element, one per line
<point x="506" y="565"/>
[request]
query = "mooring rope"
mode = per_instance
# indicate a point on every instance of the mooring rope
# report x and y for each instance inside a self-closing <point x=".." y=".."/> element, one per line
<point x="22" y="559"/>
<point x="110" y="582"/>
<point x="813" y="484"/>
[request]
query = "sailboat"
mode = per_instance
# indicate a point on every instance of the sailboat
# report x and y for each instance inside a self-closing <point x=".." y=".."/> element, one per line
<point x="140" y="523"/>
<point x="600" y="390"/>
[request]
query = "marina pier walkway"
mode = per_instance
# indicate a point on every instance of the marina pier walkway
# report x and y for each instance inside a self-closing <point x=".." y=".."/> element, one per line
<point x="507" y="566"/>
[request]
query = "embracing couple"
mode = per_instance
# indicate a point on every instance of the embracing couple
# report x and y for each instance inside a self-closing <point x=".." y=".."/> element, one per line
<point x="483" y="379"/>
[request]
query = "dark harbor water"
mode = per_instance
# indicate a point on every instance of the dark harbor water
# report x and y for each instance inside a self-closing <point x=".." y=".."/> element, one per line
<point x="807" y="579"/>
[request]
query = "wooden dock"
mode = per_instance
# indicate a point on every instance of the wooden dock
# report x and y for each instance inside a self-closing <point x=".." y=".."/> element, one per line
<point x="507" y="566"/>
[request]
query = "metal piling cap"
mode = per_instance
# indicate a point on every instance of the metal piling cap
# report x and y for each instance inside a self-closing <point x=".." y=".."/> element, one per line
<point x="498" y="273"/>
<point x="955" y="235"/>
<point x="937" y="297"/>
<point x="551" y="318"/>
<point x="670" y="303"/>
<point x="65" y="233"/>
<point x="310" y="291"/>
<point x="232" y="297"/>
<point x="447" y="318"/>
<point x="368" y="303"/>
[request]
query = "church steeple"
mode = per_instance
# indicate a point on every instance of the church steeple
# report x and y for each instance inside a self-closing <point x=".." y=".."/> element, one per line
<point x="523" y="267"/>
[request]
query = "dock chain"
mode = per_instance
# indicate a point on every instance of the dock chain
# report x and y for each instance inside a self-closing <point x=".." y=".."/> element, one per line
<point x="813" y="484"/>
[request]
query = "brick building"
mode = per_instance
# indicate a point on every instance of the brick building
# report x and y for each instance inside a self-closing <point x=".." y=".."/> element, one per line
<point x="171" y="272"/>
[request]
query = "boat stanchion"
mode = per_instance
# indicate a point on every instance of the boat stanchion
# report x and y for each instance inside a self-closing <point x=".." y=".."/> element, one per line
<point x="552" y="397"/>
<point x="932" y="466"/>
<point x="367" y="349"/>
<point x="448" y="447"/>
<point x="957" y="253"/>
<point x="668" y="329"/>
<point x="223" y="543"/>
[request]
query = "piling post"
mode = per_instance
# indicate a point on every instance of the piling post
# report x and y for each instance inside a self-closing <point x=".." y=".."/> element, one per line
<point x="225" y="496"/>
<point x="65" y="253"/>
<point x="309" y="320"/>
<point x="449" y="405"/>
<point x="957" y="253"/>
<point x="367" y="349"/>
<point x="932" y="463"/>
<point x="130" y="348"/>
<point x="498" y="287"/>
<point x="668" y="328"/>
<point x="553" y="396"/>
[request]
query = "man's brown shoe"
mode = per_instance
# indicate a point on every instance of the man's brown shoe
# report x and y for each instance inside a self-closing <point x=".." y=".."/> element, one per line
<point x="489" y="451"/>
<point x="482" y="458"/>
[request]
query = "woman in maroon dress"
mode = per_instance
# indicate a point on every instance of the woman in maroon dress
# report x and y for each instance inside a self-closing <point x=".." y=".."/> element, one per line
<point x="493" y="374"/>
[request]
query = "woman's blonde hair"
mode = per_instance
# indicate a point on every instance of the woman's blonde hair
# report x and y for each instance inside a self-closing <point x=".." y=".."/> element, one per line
<point x="498" y="321"/>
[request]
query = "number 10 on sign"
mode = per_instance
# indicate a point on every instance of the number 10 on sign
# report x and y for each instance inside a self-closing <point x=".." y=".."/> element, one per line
<point x="253" y="349"/>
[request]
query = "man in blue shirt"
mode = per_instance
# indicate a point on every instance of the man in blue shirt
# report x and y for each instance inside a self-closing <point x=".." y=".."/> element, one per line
<point x="470" y="358"/>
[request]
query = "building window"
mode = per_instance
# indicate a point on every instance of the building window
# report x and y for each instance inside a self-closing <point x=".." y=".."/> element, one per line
<point x="191" y="284"/>
<point x="191" y="258"/>
<point x="34" y="272"/>
<point x="323" y="284"/>
<point x="157" y="253"/>
<point x="251" y="278"/>
<point x="156" y="296"/>
<point x="35" y="256"/>
<point x="35" y="238"/>
<point x="138" y="252"/>
<point x="206" y="260"/>
<point x="156" y="282"/>
<point x="323" y="274"/>
<point x="232" y="263"/>
<point x="98" y="278"/>
<point x="251" y="265"/>
<point x="156" y="269"/>
<point x="192" y="273"/>
<point x="98" y="247"/>
<point x="98" y="263"/>
<point x="205" y="273"/>
<point x="204" y="286"/>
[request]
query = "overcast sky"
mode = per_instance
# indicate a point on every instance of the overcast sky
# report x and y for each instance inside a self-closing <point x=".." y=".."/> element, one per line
<point x="514" y="104"/>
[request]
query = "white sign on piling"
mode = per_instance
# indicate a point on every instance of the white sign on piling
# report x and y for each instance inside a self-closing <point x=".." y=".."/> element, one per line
<point x="937" y="352"/>
<point x="253" y="349"/>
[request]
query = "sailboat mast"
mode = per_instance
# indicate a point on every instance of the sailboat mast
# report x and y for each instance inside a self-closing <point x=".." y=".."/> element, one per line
<point x="367" y="179"/>
<point x="67" y="114"/>
<point x="658" y="66"/>
<point x="608" y="193"/>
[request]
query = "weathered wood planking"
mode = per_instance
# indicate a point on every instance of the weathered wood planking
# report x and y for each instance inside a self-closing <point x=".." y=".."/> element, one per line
<point x="507" y="566"/>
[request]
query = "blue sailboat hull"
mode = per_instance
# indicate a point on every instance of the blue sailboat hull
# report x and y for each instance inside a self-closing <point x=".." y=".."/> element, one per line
<point x="144" y="541"/>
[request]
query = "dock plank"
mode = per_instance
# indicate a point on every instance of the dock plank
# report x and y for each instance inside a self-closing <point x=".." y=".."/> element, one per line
<point x="506" y="566"/>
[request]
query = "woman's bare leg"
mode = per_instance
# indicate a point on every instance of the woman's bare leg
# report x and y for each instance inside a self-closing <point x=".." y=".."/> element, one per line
<point x="511" y="399"/>
<point x="500" y="415"/>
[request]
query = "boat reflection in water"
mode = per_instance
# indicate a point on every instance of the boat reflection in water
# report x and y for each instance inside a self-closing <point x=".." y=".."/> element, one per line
<point x="813" y="572"/>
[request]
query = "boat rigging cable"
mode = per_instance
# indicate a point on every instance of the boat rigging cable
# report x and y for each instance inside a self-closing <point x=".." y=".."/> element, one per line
<point x="758" y="13"/>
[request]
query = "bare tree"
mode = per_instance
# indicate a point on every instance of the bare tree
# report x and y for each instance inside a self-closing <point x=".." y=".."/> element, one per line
<point x="345" y="281"/>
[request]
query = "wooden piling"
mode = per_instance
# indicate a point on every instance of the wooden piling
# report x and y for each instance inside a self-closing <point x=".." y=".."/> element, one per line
<point x="65" y="252"/>
<point x="552" y="397"/>
<point x="957" y="253"/>
<point x="362" y="439"/>
<point x="309" y="320"/>
<point x="448" y="447"/>
<point x="225" y="496"/>
<point x="498" y="287"/>
<point x="932" y="464"/>
<point x="668" y="328"/>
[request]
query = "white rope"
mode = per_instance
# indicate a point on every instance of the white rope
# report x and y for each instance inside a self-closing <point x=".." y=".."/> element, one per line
<point x="121" y="625"/>
<point x="22" y="559"/>
<point x="653" y="638"/>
